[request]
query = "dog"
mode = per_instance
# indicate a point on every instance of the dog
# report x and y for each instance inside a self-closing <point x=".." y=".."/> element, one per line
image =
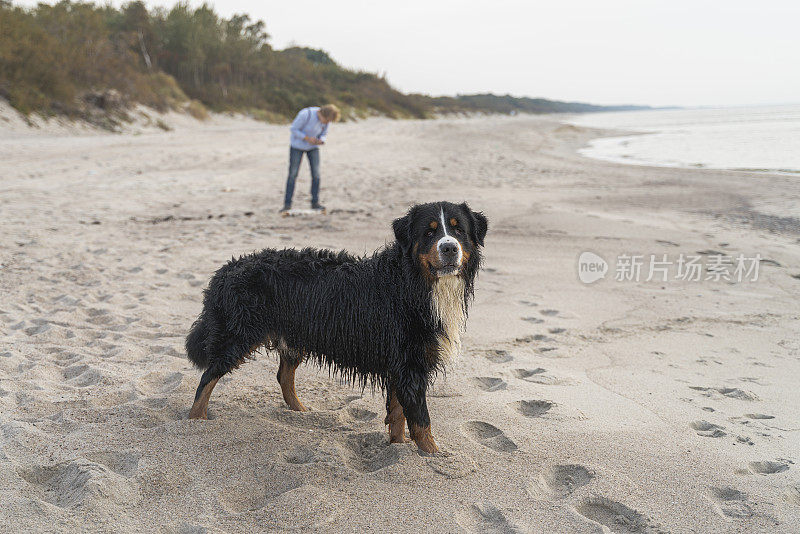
<point x="391" y="320"/>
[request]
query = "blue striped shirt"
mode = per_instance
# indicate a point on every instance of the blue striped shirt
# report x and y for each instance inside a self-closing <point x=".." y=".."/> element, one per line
<point x="307" y="123"/>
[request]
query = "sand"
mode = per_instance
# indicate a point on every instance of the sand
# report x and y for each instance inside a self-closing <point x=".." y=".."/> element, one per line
<point x="618" y="406"/>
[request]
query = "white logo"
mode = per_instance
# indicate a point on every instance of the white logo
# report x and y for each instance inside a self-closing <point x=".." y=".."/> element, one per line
<point x="591" y="267"/>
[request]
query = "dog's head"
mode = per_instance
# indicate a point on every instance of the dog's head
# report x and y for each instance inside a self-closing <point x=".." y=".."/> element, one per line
<point x="443" y="238"/>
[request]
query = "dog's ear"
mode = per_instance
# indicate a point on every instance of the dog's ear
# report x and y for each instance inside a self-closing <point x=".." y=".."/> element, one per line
<point x="402" y="231"/>
<point x="479" y="225"/>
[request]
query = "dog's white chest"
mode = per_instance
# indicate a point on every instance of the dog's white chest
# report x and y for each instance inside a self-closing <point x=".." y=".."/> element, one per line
<point x="447" y="298"/>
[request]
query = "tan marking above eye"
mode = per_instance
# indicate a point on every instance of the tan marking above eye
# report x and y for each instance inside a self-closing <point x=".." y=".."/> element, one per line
<point x="453" y="221"/>
<point x="434" y="225"/>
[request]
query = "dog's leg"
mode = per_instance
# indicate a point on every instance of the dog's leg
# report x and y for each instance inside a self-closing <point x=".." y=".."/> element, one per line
<point x="289" y="362"/>
<point x="423" y="438"/>
<point x="395" y="418"/>
<point x="415" y="408"/>
<point x="200" y="407"/>
<point x="233" y="356"/>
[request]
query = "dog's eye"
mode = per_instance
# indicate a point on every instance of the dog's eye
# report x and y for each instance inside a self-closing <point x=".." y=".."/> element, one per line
<point x="428" y="232"/>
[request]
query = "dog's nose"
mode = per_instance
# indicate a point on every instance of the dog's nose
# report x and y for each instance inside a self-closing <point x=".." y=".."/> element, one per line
<point x="448" y="249"/>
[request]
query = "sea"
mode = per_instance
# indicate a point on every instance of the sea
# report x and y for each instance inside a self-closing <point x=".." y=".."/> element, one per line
<point x="754" y="139"/>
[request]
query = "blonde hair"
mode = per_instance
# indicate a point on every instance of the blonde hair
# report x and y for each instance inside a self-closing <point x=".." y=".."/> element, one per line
<point x="330" y="112"/>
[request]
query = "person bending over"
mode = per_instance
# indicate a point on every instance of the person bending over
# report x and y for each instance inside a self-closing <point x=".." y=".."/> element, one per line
<point x="309" y="130"/>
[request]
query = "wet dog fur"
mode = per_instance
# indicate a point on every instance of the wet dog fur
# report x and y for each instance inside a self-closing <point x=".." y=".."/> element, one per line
<point x="390" y="320"/>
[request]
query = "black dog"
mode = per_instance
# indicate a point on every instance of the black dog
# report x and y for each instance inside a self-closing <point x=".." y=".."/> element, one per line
<point x="391" y="320"/>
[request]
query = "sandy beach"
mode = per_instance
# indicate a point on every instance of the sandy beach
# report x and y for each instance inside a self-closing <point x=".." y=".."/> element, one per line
<point x="617" y="406"/>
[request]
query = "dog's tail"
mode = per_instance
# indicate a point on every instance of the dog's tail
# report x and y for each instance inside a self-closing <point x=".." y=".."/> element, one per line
<point x="196" y="346"/>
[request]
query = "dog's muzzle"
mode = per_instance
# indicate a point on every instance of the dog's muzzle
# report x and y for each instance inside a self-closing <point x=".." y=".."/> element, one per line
<point x="449" y="256"/>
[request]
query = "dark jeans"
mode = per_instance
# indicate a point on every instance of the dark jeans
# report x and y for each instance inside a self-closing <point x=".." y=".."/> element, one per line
<point x="295" y="157"/>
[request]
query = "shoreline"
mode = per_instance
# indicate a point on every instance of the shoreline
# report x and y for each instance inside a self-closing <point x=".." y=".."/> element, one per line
<point x="665" y="405"/>
<point x="696" y="138"/>
<point x="592" y="151"/>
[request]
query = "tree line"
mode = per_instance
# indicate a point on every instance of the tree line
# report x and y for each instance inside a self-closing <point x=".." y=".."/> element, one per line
<point x="75" y="58"/>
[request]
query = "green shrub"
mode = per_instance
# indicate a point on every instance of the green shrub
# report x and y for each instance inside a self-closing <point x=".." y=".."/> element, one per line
<point x="196" y="109"/>
<point x="64" y="58"/>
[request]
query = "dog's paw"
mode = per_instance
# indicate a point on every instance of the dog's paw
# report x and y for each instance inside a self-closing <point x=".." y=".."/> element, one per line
<point x="424" y="439"/>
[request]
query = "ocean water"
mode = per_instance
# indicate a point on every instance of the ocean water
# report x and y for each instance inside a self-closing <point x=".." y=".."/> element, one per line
<point x="761" y="139"/>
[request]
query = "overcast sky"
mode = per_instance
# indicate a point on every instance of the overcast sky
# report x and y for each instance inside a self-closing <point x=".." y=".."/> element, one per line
<point x="681" y="52"/>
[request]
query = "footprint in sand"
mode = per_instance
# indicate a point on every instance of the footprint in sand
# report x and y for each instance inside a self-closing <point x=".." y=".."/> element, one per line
<point x="615" y="516"/>
<point x="527" y="373"/>
<point x="557" y="330"/>
<point x="731" y="393"/>
<point x="537" y="376"/>
<point x="98" y="316"/>
<point x="767" y="467"/>
<point x="498" y="356"/>
<point x="549" y="313"/>
<point x="754" y="380"/>
<point x="489" y="436"/>
<point x="301" y="456"/>
<point x="66" y="359"/>
<point x="159" y="382"/>
<point x="792" y="495"/>
<point x="305" y="507"/>
<point x="532" y="408"/>
<point x="371" y="451"/>
<point x="452" y="466"/>
<point x="729" y="502"/>
<point x="758" y="416"/>
<point x="252" y="496"/>
<point x="488" y="383"/>
<point x="82" y="375"/>
<point x="360" y="414"/>
<point x="560" y="481"/>
<point x="320" y="454"/>
<point x="484" y="517"/>
<point x="70" y="484"/>
<point x="40" y="328"/>
<point x="706" y="429"/>
<point x="534" y="320"/>
<point x="310" y="420"/>
<point x="100" y="320"/>
<point x="125" y="463"/>
<point x="710" y="252"/>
